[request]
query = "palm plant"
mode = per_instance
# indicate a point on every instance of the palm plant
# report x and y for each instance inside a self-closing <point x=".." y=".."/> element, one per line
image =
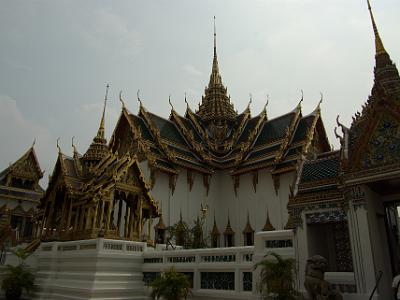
<point x="18" y="277"/>
<point x="277" y="277"/>
<point x="171" y="285"/>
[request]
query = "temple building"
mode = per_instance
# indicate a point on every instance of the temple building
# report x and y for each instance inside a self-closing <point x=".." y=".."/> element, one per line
<point x="347" y="201"/>
<point x="20" y="194"/>
<point x="241" y="174"/>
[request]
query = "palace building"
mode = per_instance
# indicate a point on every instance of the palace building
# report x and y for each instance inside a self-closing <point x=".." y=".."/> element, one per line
<point x="242" y="173"/>
<point x="20" y="194"/>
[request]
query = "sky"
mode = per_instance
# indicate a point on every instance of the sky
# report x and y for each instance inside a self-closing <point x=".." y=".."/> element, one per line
<point x="56" y="58"/>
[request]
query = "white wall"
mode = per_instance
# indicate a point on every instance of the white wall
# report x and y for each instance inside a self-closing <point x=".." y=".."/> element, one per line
<point x="221" y="198"/>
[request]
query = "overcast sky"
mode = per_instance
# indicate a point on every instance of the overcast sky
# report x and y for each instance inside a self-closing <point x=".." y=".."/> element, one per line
<point x="57" y="56"/>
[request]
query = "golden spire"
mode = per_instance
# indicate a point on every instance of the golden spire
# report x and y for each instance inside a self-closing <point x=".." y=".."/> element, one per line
<point x="215" y="77"/>
<point x="378" y="42"/>
<point x="100" y="132"/>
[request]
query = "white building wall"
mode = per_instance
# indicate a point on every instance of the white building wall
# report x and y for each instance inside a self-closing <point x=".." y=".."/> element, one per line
<point x="221" y="199"/>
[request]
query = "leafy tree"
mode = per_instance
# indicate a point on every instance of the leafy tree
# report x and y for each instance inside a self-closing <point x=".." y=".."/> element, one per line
<point x="189" y="238"/>
<point x="18" y="277"/>
<point x="171" y="285"/>
<point x="277" y="277"/>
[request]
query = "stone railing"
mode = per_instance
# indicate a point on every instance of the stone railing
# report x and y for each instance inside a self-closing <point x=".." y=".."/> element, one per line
<point x="213" y="272"/>
<point x="98" y="245"/>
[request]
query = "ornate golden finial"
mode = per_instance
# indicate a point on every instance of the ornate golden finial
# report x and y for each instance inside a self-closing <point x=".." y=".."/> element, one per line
<point x="138" y="97"/>
<point x="378" y="42"/>
<point x="215" y="39"/>
<point x="187" y="104"/>
<point x="319" y="102"/>
<point x="266" y="103"/>
<point x="250" y="100"/>
<point x="120" y="99"/>
<point x="298" y="107"/>
<point x="73" y="145"/>
<point x="58" y="146"/>
<point x="169" y="101"/>
<point x="100" y="132"/>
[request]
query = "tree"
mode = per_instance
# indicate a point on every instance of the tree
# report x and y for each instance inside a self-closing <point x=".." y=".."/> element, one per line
<point x="277" y="277"/>
<point x="18" y="277"/>
<point x="171" y="285"/>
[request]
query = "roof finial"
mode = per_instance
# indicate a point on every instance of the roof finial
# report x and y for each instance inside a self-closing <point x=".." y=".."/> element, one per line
<point x="322" y="98"/>
<point x="138" y="97"/>
<point x="34" y="142"/>
<point x="100" y="132"/>
<point x="215" y="39"/>
<point x="266" y="103"/>
<point x="187" y="104"/>
<point x="250" y="101"/>
<point x="302" y="95"/>
<point x="58" y="146"/>
<point x="120" y="99"/>
<point x="379" y="49"/>
<point x="169" y="101"/>
<point x="215" y="78"/>
<point x="73" y="145"/>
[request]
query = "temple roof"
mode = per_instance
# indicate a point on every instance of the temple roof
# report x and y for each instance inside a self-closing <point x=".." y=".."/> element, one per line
<point x="27" y="166"/>
<point x="371" y="142"/>
<point x="325" y="167"/>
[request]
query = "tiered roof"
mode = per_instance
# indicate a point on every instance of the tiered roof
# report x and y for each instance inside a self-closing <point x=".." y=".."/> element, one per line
<point x="216" y="137"/>
<point x="26" y="168"/>
<point x="369" y="148"/>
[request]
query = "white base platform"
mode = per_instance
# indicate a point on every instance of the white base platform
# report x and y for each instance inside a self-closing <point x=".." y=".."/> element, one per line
<point x="96" y="269"/>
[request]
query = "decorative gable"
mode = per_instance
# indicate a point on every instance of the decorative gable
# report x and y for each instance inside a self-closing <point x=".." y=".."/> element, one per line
<point x="383" y="146"/>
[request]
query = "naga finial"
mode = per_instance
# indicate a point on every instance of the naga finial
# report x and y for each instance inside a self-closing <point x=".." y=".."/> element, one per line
<point x="336" y="134"/>
<point x="58" y="145"/>
<point x="187" y="103"/>
<point x="344" y="128"/>
<point x="169" y="101"/>
<point x="250" y="100"/>
<point x="138" y="97"/>
<point x="121" y="100"/>
<point x="302" y="95"/>
<point x="73" y="145"/>
<point x="266" y="103"/>
<point x="322" y="98"/>
<point x="34" y="142"/>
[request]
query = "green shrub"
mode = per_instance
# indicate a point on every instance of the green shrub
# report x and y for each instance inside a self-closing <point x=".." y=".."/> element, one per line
<point x="170" y="285"/>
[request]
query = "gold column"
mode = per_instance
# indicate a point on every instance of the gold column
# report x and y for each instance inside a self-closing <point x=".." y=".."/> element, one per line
<point x="69" y="214"/>
<point x="108" y="216"/>
<point x="81" y="219"/>
<point x="95" y="216"/>
<point x="88" y="217"/>
<point x="119" y="220"/>
<point x="75" y="227"/>
<point x="102" y="212"/>
<point x="140" y="222"/>
<point x="131" y="219"/>
<point x="126" y="225"/>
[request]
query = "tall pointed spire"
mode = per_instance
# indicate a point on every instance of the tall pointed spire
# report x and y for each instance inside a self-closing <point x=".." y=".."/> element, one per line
<point x="98" y="148"/>
<point x="100" y="132"/>
<point x="215" y="78"/>
<point x="385" y="71"/>
<point x="216" y="107"/>
<point x="379" y="48"/>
